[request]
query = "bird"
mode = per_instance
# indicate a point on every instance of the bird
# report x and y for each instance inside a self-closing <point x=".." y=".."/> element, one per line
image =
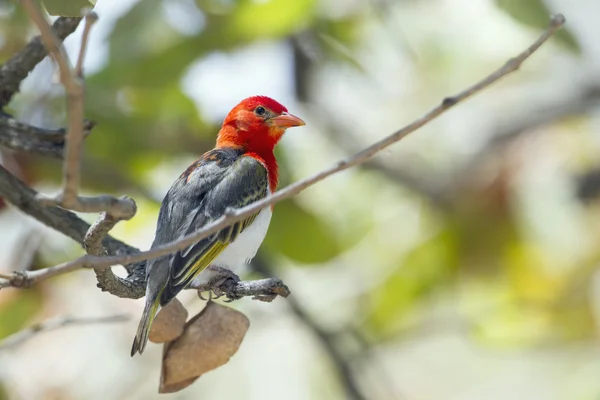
<point x="239" y="170"/>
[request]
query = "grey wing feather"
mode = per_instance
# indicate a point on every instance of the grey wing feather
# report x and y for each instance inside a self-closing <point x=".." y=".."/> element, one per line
<point x="243" y="183"/>
<point x="179" y="207"/>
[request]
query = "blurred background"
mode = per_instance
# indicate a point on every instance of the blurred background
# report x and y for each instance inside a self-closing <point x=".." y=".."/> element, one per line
<point x="460" y="264"/>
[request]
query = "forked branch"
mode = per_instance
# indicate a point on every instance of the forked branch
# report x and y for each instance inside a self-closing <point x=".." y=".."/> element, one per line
<point x="71" y="79"/>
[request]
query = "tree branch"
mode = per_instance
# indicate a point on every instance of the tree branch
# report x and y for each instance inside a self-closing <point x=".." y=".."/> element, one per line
<point x="18" y="67"/>
<point x="403" y="174"/>
<point x="125" y="207"/>
<point x="229" y="284"/>
<point x="134" y="286"/>
<point x="20" y="337"/>
<point x="232" y="216"/>
<point x="18" y="136"/>
<point x="90" y="18"/>
<point x="582" y="100"/>
<point x="22" y="196"/>
<point x="113" y="209"/>
<point x="92" y="243"/>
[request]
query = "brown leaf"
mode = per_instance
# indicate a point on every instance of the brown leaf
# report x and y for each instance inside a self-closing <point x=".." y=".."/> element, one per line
<point x="208" y="341"/>
<point x="175" y="387"/>
<point x="169" y="323"/>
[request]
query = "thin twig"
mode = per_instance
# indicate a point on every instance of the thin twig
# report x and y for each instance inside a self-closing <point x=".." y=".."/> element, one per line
<point x="14" y="70"/>
<point x="54" y="46"/>
<point x="405" y="173"/>
<point x="234" y="215"/>
<point x="74" y="88"/>
<point x="581" y="100"/>
<point x="73" y="83"/>
<point x="90" y="18"/>
<point x="20" y="337"/>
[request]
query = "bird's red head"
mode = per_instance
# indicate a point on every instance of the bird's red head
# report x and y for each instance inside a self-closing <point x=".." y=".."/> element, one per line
<point x="255" y="125"/>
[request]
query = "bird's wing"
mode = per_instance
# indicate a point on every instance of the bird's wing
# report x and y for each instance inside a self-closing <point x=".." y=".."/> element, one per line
<point x="236" y="185"/>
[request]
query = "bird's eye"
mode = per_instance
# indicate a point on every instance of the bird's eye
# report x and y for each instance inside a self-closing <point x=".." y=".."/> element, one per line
<point x="260" y="110"/>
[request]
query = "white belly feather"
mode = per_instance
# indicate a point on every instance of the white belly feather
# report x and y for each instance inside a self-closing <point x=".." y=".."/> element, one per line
<point x="243" y="249"/>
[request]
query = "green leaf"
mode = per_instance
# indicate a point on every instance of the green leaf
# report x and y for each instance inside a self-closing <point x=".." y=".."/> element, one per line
<point x="146" y="51"/>
<point x="299" y="235"/>
<point x="534" y="13"/>
<point x="3" y="393"/>
<point x="427" y="266"/>
<point x="16" y="312"/>
<point x="274" y="18"/>
<point x="67" y="8"/>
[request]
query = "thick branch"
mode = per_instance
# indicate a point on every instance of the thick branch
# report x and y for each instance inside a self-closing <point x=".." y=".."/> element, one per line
<point x="18" y="136"/>
<point x="20" y="337"/>
<point x="22" y="196"/>
<point x="107" y="281"/>
<point x="229" y="284"/>
<point x="261" y="289"/>
<point x="232" y="216"/>
<point x="92" y="241"/>
<point x="123" y="208"/>
<point x="18" y="67"/>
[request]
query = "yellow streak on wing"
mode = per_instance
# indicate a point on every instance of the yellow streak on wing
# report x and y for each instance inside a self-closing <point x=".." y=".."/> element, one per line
<point x="204" y="260"/>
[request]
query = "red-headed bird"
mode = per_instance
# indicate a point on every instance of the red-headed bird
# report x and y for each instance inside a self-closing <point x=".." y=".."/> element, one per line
<point x="241" y="169"/>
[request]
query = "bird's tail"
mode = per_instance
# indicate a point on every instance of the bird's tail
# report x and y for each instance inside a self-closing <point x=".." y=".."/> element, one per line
<point x="141" y="337"/>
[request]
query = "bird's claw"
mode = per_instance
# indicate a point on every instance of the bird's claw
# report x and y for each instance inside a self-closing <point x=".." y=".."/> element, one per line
<point x="217" y="293"/>
<point x="202" y="297"/>
<point x="212" y="295"/>
<point x="223" y="283"/>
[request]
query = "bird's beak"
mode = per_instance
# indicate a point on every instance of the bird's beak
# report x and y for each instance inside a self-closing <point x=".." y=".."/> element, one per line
<point x="286" y="120"/>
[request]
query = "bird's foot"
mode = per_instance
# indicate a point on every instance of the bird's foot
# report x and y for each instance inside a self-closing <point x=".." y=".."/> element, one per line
<point x="223" y="283"/>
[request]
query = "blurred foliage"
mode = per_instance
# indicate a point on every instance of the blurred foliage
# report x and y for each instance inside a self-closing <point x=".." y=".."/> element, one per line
<point x="14" y="28"/>
<point x="422" y="270"/>
<point x="17" y="310"/>
<point x="509" y="292"/>
<point x="67" y="8"/>
<point x="298" y="230"/>
<point x="474" y="267"/>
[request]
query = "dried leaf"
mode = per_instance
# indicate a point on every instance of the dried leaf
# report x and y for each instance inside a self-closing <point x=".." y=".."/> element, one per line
<point x="209" y="340"/>
<point x="169" y="323"/>
<point x="175" y="387"/>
